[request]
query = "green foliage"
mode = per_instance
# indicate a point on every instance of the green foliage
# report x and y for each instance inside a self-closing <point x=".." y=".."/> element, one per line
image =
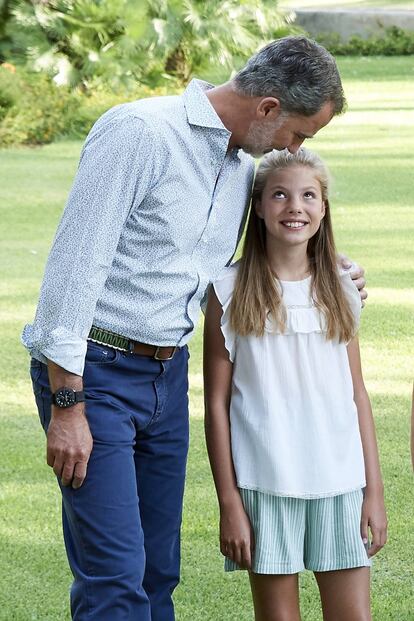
<point x="71" y="40"/>
<point x="5" y="14"/>
<point x="191" y="35"/>
<point x="394" y="42"/>
<point x="77" y="58"/>
<point x="92" y="105"/>
<point x="119" y="42"/>
<point x="33" y="110"/>
<point x="9" y="91"/>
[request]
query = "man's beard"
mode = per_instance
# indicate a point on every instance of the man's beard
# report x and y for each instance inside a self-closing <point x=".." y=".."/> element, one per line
<point x="257" y="139"/>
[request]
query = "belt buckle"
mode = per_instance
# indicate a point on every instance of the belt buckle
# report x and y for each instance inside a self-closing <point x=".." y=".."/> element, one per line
<point x="164" y="359"/>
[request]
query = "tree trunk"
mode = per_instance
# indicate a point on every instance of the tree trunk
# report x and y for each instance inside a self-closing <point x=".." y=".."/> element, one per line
<point x="177" y="65"/>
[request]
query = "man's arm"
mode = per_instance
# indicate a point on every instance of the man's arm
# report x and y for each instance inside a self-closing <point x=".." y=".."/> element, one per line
<point x="115" y="173"/>
<point x="69" y="440"/>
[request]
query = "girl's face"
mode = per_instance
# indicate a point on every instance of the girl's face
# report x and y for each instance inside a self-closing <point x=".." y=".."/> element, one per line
<point x="291" y="205"/>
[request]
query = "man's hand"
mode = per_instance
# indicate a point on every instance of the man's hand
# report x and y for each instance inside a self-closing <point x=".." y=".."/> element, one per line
<point x="69" y="444"/>
<point x="357" y="274"/>
<point x="69" y="440"/>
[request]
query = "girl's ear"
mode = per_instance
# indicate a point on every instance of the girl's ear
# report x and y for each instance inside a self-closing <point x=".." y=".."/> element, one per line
<point x="323" y="208"/>
<point x="258" y="209"/>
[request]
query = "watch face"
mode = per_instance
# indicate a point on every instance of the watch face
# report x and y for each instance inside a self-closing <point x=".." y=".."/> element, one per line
<point x="65" y="397"/>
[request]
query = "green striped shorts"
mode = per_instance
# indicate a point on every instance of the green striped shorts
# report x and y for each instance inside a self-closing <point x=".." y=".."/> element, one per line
<point x="293" y="534"/>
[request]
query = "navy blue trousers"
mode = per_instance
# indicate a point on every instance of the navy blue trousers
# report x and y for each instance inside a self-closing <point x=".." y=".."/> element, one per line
<point x="122" y="527"/>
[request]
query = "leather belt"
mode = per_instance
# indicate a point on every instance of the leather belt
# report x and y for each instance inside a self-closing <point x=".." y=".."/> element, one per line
<point x="116" y="341"/>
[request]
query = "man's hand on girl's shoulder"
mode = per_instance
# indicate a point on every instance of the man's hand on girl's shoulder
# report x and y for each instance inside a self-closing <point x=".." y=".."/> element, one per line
<point x="357" y="274"/>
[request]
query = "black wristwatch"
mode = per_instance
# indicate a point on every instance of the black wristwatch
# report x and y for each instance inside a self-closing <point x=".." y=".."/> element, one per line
<point x="66" y="397"/>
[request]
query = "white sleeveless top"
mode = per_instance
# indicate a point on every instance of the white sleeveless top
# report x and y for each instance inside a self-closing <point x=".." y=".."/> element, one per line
<point x="294" y="423"/>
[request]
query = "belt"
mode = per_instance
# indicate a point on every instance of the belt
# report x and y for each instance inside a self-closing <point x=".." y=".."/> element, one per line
<point x="105" y="337"/>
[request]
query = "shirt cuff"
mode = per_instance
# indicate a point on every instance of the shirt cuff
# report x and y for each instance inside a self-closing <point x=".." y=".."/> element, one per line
<point x="60" y="346"/>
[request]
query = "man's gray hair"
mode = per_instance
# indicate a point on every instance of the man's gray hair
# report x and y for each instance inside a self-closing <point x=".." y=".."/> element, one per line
<point x="296" y="70"/>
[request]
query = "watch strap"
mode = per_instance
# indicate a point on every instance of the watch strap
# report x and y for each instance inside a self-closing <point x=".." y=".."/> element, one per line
<point x="79" y="396"/>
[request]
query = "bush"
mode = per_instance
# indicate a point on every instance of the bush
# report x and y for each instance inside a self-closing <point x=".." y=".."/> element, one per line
<point x="33" y="110"/>
<point x="394" y="42"/>
<point x="99" y="99"/>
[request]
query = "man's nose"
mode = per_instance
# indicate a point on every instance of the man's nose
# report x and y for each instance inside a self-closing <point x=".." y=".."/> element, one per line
<point x="292" y="148"/>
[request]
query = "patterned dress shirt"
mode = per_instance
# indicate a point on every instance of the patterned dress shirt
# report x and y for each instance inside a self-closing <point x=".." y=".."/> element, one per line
<point x="156" y="211"/>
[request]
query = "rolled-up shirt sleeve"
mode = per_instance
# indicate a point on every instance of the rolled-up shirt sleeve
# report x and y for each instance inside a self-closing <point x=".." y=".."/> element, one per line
<point x="116" y="170"/>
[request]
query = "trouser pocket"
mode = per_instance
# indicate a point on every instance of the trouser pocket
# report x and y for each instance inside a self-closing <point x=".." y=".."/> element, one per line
<point x="41" y="391"/>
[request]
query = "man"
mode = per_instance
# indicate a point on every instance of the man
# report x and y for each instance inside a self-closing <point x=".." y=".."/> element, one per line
<point x="156" y="211"/>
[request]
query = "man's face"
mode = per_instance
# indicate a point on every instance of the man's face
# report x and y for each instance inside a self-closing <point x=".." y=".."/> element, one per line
<point x="287" y="131"/>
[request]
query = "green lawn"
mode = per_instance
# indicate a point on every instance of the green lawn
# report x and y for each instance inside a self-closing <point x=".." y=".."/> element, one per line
<point x="370" y="153"/>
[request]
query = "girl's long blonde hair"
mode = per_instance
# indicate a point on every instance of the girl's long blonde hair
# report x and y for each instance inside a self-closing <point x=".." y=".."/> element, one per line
<point x="258" y="293"/>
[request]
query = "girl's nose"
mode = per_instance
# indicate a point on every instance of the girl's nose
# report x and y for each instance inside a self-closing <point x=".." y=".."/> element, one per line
<point x="294" y="205"/>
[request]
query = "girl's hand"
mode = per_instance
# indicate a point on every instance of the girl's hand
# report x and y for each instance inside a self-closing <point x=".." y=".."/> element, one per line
<point x="236" y="535"/>
<point x="374" y="517"/>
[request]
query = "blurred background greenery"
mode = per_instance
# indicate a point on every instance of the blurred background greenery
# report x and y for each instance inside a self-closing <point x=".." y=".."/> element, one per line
<point x="64" y="62"/>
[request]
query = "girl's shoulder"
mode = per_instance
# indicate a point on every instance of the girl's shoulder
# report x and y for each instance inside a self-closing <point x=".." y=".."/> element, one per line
<point x="228" y="272"/>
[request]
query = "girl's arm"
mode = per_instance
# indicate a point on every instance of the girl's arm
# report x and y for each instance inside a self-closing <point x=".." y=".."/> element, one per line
<point x="236" y="539"/>
<point x="373" y="509"/>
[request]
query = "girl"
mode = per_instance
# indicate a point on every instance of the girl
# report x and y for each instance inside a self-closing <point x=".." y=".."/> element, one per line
<point x="298" y="479"/>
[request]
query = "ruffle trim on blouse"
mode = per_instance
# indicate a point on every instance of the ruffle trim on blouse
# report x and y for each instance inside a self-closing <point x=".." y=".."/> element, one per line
<point x="223" y="288"/>
<point x="299" y="320"/>
<point x="308" y="319"/>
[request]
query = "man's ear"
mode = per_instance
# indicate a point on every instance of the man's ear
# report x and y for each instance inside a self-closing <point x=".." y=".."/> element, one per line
<point x="268" y="108"/>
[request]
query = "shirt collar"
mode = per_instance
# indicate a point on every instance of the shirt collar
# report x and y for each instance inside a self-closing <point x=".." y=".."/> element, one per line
<point x="199" y="109"/>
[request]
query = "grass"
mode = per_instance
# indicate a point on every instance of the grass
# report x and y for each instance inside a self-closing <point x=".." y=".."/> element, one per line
<point x="370" y="153"/>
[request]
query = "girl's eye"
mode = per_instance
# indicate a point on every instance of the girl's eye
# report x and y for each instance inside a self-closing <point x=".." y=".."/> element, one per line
<point x="279" y="194"/>
<point x="309" y="195"/>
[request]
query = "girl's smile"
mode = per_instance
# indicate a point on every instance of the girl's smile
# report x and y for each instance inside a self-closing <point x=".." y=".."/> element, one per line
<point x="294" y="224"/>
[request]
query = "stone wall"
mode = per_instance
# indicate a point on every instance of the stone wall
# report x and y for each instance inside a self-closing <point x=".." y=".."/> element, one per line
<point x="347" y="22"/>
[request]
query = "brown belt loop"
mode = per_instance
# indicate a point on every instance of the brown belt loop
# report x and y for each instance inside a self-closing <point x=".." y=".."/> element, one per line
<point x="158" y="351"/>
